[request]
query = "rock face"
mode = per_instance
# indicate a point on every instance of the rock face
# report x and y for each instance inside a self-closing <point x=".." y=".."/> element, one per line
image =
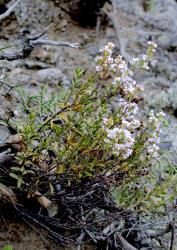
<point x="35" y="14"/>
<point x="48" y="75"/>
<point x="154" y="20"/>
<point x="83" y="11"/>
<point x="141" y="19"/>
<point x="4" y="134"/>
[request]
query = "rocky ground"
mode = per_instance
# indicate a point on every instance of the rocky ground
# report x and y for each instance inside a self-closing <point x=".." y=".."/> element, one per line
<point x="138" y="20"/>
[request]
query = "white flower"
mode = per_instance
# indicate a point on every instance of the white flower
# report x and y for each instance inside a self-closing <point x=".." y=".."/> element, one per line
<point x="98" y="58"/>
<point x="153" y="44"/>
<point x="121" y="138"/>
<point x="121" y="141"/>
<point x="127" y="153"/>
<point x="111" y="45"/>
<point x="113" y="66"/>
<point x="135" y="124"/>
<point x="140" y="87"/>
<point x="112" y="134"/>
<point x="161" y="115"/>
<point x="144" y="57"/>
<point x="99" y="68"/>
<point x="110" y="60"/>
<point x="145" y="66"/>
<point x="133" y="61"/>
<point x="105" y="120"/>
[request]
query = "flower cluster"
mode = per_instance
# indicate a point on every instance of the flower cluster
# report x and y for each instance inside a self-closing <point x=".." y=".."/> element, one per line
<point x="119" y="72"/>
<point x="143" y="61"/>
<point x="121" y="141"/>
<point x="151" y="144"/>
<point x="122" y="135"/>
<point x="123" y="80"/>
<point x="105" y="62"/>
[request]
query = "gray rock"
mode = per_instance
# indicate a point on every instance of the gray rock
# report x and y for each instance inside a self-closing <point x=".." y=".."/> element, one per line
<point x="50" y="75"/>
<point x="4" y="134"/>
<point x="35" y="65"/>
<point x="36" y="14"/>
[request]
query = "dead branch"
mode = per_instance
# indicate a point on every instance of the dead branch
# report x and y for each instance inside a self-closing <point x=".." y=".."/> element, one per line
<point x="45" y="202"/>
<point x="6" y="156"/>
<point x="30" y="44"/>
<point x="7" y="193"/>
<point x="39" y="35"/>
<point x="112" y="13"/>
<point x="81" y="197"/>
<point x="54" y="43"/>
<point x="9" y="10"/>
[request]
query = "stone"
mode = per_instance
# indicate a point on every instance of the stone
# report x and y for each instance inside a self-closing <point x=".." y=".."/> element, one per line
<point x="4" y="134"/>
<point x="49" y="75"/>
<point x="35" y="14"/>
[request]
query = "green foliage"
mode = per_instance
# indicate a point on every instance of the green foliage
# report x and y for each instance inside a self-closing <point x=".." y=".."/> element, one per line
<point x="8" y="247"/>
<point x="66" y="134"/>
<point x="154" y="192"/>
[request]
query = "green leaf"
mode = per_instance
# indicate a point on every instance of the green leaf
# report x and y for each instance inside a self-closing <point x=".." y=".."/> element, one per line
<point x="3" y="123"/>
<point x="14" y="176"/>
<point x="28" y="172"/>
<point x="15" y="169"/>
<point x="32" y="116"/>
<point x="56" y="127"/>
<point x="78" y="72"/>
<point x="8" y="247"/>
<point x="20" y="182"/>
<point x="166" y="123"/>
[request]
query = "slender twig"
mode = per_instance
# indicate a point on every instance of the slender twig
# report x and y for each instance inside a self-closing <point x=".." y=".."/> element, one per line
<point x="32" y="42"/>
<point x="37" y="36"/>
<point x="53" y="43"/>
<point x="29" y="45"/>
<point x="115" y="19"/>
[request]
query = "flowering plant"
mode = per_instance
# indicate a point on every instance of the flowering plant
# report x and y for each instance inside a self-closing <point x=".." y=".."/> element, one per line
<point x="93" y="128"/>
<point x="75" y="147"/>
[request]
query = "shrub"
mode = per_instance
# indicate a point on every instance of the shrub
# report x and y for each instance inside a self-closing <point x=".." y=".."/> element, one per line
<point x="91" y="129"/>
<point x="78" y="143"/>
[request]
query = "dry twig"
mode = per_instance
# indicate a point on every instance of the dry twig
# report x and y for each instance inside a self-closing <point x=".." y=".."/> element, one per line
<point x="6" y="156"/>
<point x="112" y="12"/>
<point x="30" y="44"/>
<point x="7" y="193"/>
